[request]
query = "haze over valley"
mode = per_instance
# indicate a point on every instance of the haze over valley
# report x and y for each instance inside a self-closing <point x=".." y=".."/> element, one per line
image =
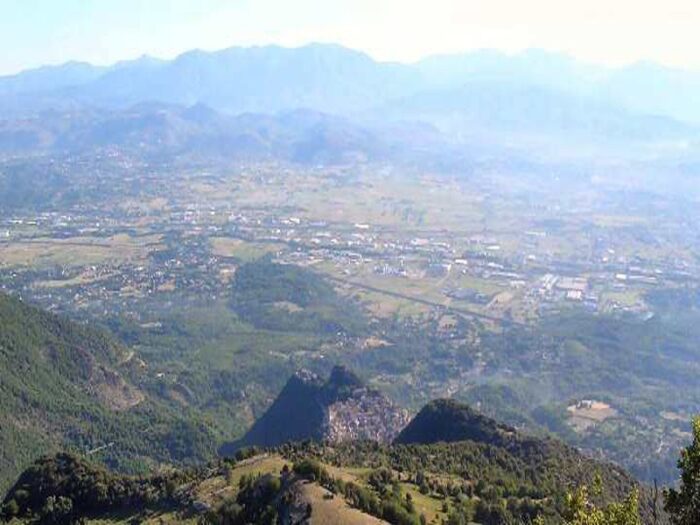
<point x="247" y="275"/>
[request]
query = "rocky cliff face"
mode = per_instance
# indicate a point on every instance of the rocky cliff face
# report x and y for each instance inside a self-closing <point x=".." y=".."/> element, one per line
<point x="342" y="408"/>
<point x="366" y="415"/>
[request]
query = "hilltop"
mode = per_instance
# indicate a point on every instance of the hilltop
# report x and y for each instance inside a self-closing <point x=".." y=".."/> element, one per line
<point x="448" y="421"/>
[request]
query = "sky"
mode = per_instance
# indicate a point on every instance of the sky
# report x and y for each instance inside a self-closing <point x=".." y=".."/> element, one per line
<point x="608" y="32"/>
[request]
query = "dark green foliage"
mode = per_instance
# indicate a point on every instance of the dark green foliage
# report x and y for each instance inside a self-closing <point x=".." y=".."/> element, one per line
<point x="51" y="374"/>
<point x="246" y="453"/>
<point x="62" y="488"/>
<point x="255" y="503"/>
<point x="261" y="290"/>
<point x="312" y="470"/>
<point x="506" y="479"/>
<point x="683" y="504"/>
<point x="446" y="420"/>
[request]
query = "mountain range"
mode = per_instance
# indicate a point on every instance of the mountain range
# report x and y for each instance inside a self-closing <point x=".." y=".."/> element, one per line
<point x="166" y="131"/>
<point x="335" y="79"/>
<point x="486" y="95"/>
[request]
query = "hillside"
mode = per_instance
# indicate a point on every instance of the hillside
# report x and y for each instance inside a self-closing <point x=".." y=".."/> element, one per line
<point x="64" y="385"/>
<point x="286" y="297"/>
<point x="163" y="131"/>
<point x="470" y="481"/>
<point x="339" y="409"/>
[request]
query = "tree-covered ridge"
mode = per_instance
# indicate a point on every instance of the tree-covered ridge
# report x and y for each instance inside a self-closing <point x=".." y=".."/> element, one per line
<point x="446" y="420"/>
<point x="480" y="480"/>
<point x="69" y="386"/>
<point x="522" y="481"/>
<point x="455" y="483"/>
<point x="290" y="298"/>
<point x="61" y="488"/>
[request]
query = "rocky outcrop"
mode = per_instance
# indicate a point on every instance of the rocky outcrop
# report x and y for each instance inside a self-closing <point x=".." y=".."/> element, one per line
<point x="366" y="415"/>
<point x="342" y="408"/>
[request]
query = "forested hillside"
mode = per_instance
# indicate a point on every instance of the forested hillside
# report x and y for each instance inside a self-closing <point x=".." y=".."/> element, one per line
<point x="65" y="385"/>
<point x="481" y="478"/>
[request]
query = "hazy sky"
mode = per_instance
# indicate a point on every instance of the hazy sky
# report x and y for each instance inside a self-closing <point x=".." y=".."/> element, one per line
<point x="35" y="32"/>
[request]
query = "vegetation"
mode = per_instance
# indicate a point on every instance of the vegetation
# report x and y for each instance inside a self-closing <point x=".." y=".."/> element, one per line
<point x="683" y="504"/>
<point x="63" y="488"/>
<point x="64" y="385"/>
<point x="483" y="471"/>
<point x="490" y="479"/>
<point x="446" y="420"/>
<point x="580" y="510"/>
<point x="290" y="298"/>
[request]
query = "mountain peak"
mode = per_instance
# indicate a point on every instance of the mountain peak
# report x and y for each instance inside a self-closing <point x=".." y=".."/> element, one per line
<point x="340" y="409"/>
<point x="342" y="376"/>
<point x="447" y="420"/>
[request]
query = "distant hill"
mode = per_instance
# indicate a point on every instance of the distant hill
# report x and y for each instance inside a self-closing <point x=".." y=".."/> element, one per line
<point x="339" y="409"/>
<point x="498" y="108"/>
<point x="643" y="87"/>
<point x="64" y="385"/>
<point x="286" y="297"/>
<point x="49" y="78"/>
<point x="149" y="129"/>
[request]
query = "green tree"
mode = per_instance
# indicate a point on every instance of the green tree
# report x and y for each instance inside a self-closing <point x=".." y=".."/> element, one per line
<point x="11" y="509"/>
<point x="580" y="510"/>
<point x="684" y="504"/>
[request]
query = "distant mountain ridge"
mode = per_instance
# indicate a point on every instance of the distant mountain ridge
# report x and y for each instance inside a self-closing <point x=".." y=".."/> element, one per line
<point x="339" y="409"/>
<point x="334" y="79"/>
<point x="165" y="130"/>
<point x="270" y="79"/>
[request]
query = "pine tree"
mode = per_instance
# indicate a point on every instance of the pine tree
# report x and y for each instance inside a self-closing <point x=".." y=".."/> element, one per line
<point x="684" y="504"/>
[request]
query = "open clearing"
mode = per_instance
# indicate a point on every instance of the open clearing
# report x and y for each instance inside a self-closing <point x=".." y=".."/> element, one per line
<point x="76" y="251"/>
<point x="586" y="414"/>
<point x="240" y="249"/>
<point x="331" y="511"/>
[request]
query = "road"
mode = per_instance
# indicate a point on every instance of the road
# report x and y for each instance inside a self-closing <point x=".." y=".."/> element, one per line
<point x="452" y="309"/>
